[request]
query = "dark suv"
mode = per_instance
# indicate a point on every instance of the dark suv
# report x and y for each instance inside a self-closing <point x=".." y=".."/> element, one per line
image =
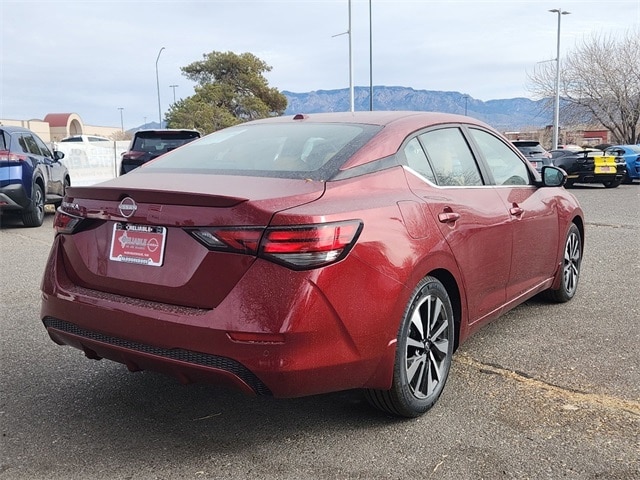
<point x="149" y="144"/>
<point x="534" y="152"/>
<point x="30" y="175"/>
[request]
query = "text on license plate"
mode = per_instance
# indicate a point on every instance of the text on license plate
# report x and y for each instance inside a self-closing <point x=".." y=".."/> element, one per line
<point x="139" y="244"/>
<point x="605" y="169"/>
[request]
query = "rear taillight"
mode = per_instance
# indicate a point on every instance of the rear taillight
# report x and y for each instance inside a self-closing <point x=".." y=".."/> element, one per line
<point x="237" y="240"/>
<point x="309" y="246"/>
<point x="132" y="155"/>
<point x="299" y="247"/>
<point x="64" y="222"/>
<point x="7" y="156"/>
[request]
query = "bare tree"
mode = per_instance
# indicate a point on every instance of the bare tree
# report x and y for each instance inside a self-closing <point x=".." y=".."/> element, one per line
<point x="599" y="85"/>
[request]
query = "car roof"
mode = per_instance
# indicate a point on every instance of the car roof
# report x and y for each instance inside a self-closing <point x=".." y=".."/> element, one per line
<point x="395" y="123"/>
<point x="381" y="118"/>
<point x="163" y="130"/>
<point x="14" y="129"/>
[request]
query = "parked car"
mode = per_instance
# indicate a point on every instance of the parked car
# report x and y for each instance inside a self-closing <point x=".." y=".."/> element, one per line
<point x="631" y="155"/>
<point x="30" y="175"/>
<point x="149" y="144"/>
<point x="301" y="255"/>
<point x="590" y="166"/>
<point x="534" y="152"/>
<point x="85" y="139"/>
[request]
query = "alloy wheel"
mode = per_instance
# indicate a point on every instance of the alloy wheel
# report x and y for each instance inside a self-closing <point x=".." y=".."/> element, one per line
<point x="427" y="347"/>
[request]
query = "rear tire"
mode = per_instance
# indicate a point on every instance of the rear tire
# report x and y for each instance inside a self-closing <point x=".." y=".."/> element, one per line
<point x="423" y="353"/>
<point x="570" y="268"/>
<point x="34" y="215"/>
<point x="612" y="184"/>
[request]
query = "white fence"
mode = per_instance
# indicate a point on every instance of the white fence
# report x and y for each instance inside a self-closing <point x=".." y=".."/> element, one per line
<point x="92" y="162"/>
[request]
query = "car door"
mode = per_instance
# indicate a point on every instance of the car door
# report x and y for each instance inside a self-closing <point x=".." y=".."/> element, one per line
<point x="532" y="212"/>
<point x="55" y="170"/>
<point x="470" y="215"/>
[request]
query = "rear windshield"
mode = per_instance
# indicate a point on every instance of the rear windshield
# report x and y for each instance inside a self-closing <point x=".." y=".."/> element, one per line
<point x="288" y="150"/>
<point x="161" y="142"/>
<point x="531" y="150"/>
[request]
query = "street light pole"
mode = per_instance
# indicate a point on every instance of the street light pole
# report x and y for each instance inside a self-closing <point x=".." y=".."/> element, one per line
<point x="370" y="60"/>
<point x="351" y="93"/>
<point x="556" y="106"/>
<point x="158" y="87"/>
<point x="174" y="92"/>
<point x="121" y="118"/>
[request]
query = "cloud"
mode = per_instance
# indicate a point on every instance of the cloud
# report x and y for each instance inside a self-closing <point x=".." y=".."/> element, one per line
<point x="92" y="57"/>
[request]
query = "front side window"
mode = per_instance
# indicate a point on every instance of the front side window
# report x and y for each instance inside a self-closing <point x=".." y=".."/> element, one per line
<point x="43" y="147"/>
<point x="506" y="167"/>
<point x="451" y="157"/>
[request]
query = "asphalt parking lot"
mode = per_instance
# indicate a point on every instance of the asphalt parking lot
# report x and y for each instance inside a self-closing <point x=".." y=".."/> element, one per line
<point x="547" y="391"/>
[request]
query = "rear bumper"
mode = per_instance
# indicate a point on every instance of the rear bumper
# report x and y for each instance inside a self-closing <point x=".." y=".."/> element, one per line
<point x="590" y="177"/>
<point x="14" y="197"/>
<point x="300" y="345"/>
<point x="186" y="366"/>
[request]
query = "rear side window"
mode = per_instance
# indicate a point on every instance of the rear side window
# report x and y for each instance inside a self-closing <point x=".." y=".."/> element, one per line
<point x="505" y="166"/>
<point x="31" y="145"/>
<point x="4" y="140"/>
<point x="451" y="157"/>
<point x="417" y="159"/>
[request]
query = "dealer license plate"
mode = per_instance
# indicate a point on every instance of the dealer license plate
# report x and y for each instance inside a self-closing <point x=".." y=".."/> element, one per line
<point x="605" y="169"/>
<point x="139" y="244"/>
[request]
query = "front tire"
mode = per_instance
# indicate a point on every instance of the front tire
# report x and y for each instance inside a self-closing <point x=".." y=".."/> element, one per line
<point x="570" y="268"/>
<point x="423" y="353"/>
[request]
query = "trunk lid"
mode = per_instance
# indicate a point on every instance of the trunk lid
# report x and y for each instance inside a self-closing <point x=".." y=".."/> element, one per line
<point x="166" y="207"/>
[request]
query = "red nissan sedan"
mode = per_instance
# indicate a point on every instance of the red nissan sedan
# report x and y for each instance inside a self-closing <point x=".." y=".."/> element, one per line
<point x="301" y="255"/>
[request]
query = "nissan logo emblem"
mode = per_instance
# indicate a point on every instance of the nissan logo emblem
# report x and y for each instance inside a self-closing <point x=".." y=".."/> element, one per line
<point x="127" y="207"/>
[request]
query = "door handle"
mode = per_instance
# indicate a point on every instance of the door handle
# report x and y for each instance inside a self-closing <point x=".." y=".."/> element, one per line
<point x="516" y="211"/>
<point x="448" y="217"/>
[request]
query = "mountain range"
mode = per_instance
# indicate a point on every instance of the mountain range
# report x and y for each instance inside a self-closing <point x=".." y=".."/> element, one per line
<point x="508" y="114"/>
<point x="505" y="115"/>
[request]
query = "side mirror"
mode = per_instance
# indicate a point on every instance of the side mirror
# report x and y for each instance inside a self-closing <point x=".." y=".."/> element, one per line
<point x="553" y="176"/>
<point x="58" y="155"/>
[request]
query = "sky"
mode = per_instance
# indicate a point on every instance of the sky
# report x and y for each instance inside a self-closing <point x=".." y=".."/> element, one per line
<point x="98" y="58"/>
